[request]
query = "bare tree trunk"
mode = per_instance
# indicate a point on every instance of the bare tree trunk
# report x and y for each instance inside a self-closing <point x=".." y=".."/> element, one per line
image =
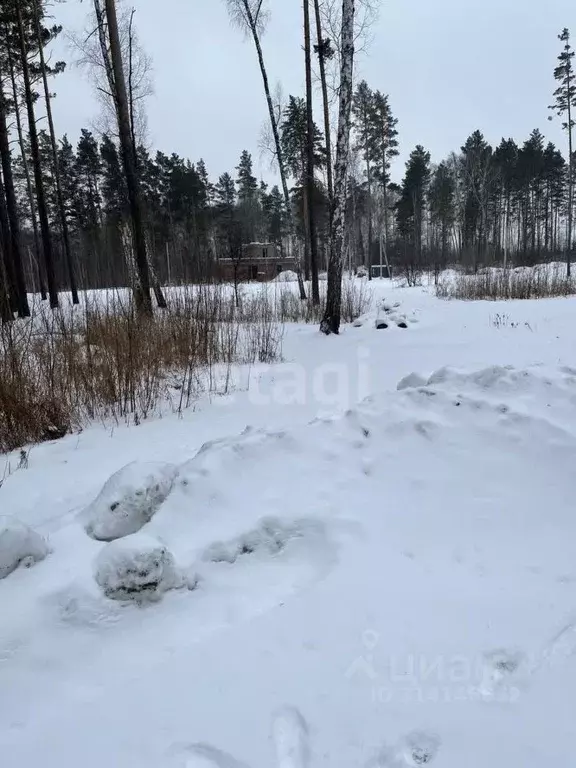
<point x="13" y="242"/>
<point x="325" y="103"/>
<point x="7" y="266"/>
<point x="128" y="151"/>
<point x="40" y="194"/>
<point x="570" y="185"/>
<point x="26" y="168"/>
<point x="310" y="158"/>
<point x="252" y="23"/>
<point x="6" y="315"/>
<point x="331" y="320"/>
<point x="55" y="163"/>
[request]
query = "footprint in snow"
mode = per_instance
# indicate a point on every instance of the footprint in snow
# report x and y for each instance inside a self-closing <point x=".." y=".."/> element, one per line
<point x="419" y="748"/>
<point x="499" y="669"/>
<point x="289" y="736"/>
<point x="291" y="739"/>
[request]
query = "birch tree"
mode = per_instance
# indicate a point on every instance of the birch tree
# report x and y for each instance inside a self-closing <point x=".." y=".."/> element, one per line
<point x="331" y="320"/>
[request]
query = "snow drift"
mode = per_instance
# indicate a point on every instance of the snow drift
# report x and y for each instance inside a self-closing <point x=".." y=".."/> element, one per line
<point x="128" y="500"/>
<point x="19" y="545"/>
<point x="137" y="567"/>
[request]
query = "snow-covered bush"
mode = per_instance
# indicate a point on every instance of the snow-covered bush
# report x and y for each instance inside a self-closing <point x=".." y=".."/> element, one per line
<point x="137" y="567"/>
<point x="19" y="545"/>
<point x="128" y="500"/>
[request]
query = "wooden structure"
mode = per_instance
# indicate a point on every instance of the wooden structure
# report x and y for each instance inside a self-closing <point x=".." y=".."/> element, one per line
<point x="258" y="261"/>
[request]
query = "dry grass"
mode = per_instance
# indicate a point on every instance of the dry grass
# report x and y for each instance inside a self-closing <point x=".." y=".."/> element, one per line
<point x="287" y="307"/>
<point x="61" y="370"/>
<point x="544" y="281"/>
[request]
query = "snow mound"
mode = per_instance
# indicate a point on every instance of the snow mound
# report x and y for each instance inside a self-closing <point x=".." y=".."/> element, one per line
<point x="288" y="276"/>
<point x="128" y="500"/>
<point x="413" y="380"/>
<point x="19" y="545"/>
<point x="270" y="537"/>
<point x="137" y="567"/>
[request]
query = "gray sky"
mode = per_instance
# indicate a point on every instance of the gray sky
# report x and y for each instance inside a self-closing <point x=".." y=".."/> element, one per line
<point x="449" y="66"/>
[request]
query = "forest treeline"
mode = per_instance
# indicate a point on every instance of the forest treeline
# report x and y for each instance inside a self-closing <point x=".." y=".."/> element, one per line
<point x="104" y="209"/>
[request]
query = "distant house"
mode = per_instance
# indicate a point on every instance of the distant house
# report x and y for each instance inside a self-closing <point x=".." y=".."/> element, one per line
<point x="258" y="261"/>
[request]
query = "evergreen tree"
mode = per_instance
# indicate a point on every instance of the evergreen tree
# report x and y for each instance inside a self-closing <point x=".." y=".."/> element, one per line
<point x="362" y="111"/>
<point x="248" y="198"/>
<point x="411" y="206"/>
<point x="88" y="173"/>
<point x="564" y="103"/>
<point x="383" y="145"/>
<point x="247" y="183"/>
<point x="478" y="176"/>
<point x="441" y="201"/>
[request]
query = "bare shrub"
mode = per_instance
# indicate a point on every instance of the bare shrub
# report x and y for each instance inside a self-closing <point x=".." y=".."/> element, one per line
<point x="61" y="369"/>
<point x="543" y="281"/>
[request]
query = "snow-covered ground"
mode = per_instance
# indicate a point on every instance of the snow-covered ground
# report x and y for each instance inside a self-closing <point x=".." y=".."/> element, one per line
<point x="378" y="532"/>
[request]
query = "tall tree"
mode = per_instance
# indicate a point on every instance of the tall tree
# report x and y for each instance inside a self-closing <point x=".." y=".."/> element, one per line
<point x="442" y="213"/>
<point x="310" y="157"/>
<point x="332" y="313"/>
<point x="383" y="146"/>
<point x="411" y="206"/>
<point x="128" y="153"/>
<point x="563" y="105"/>
<point x="362" y="109"/>
<point x="47" y="244"/>
<point x="248" y="198"/>
<point x="40" y="41"/>
<point x="13" y="241"/>
<point x="325" y="53"/>
<point x="251" y="17"/>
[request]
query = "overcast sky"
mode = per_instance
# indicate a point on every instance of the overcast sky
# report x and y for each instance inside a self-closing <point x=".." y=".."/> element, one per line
<point x="449" y="67"/>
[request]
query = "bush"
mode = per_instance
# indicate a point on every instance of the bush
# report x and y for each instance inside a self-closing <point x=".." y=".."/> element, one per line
<point x="59" y="370"/>
<point x="543" y="281"/>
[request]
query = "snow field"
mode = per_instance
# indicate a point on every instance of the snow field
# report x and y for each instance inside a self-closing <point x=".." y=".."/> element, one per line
<point x="401" y="569"/>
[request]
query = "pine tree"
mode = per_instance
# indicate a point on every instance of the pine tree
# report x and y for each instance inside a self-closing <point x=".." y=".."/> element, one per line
<point x="247" y="183"/>
<point x="478" y="177"/>
<point x="383" y="146"/>
<point x="42" y="37"/>
<point x="12" y="242"/>
<point x="441" y="201"/>
<point x="506" y="163"/>
<point x="248" y="197"/>
<point x="411" y="206"/>
<point x="362" y="110"/>
<point x="277" y="225"/>
<point x="24" y="38"/>
<point x="113" y="183"/>
<point x="565" y="96"/>
<point x="294" y="136"/>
